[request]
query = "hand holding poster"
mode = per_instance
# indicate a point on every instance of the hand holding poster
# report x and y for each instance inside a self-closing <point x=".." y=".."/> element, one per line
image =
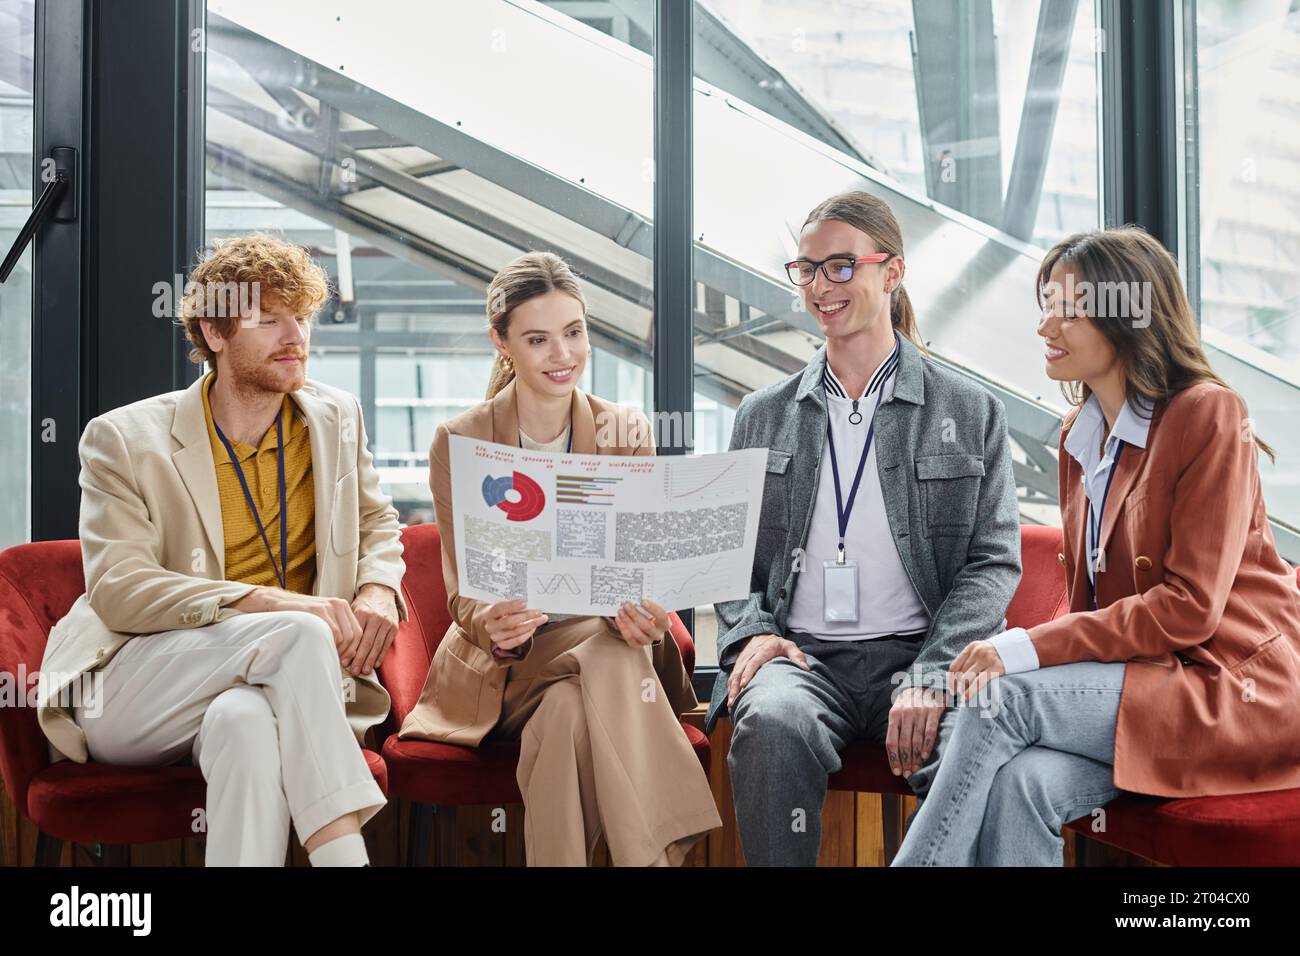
<point x="581" y="534"/>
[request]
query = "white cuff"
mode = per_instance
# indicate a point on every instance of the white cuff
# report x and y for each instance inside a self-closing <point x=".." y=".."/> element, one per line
<point x="1016" y="650"/>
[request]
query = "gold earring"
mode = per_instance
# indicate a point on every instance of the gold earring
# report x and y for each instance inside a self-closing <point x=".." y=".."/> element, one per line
<point x="506" y="364"/>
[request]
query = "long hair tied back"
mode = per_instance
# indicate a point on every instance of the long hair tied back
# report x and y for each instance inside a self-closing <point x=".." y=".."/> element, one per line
<point x="524" y="278"/>
<point x="872" y="215"/>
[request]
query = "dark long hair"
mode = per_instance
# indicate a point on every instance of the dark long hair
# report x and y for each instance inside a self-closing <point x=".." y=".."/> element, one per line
<point x="1162" y="355"/>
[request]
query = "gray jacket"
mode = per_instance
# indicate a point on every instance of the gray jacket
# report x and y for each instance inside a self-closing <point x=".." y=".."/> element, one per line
<point x="950" y="497"/>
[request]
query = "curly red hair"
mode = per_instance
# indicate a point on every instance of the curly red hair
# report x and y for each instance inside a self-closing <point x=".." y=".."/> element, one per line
<point x="274" y="271"/>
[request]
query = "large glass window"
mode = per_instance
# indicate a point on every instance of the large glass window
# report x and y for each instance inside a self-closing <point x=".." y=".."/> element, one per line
<point x="414" y="163"/>
<point x="17" y="52"/>
<point x="1248" y="111"/>
<point x="976" y="122"/>
<point x="988" y="106"/>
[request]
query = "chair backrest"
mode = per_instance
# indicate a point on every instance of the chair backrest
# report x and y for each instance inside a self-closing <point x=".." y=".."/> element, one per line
<point x="407" y="663"/>
<point x="39" y="583"/>
<point x="1041" y="595"/>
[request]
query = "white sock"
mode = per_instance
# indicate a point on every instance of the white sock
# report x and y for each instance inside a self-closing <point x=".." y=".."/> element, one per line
<point x="347" y="850"/>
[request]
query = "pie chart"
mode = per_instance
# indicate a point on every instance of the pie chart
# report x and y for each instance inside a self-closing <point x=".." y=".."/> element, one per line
<point x="521" y="498"/>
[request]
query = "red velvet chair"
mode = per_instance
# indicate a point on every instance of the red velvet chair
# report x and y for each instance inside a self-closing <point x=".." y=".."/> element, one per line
<point x="1256" y="829"/>
<point x="92" y="803"/>
<point x="1250" y="829"/>
<point x="436" y="777"/>
<point x="1040" y="597"/>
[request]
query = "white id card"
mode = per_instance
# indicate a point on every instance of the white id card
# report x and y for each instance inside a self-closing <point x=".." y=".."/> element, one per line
<point x="840" y="591"/>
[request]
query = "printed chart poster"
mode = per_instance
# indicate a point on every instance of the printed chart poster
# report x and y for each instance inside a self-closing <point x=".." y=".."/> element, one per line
<point x="581" y="534"/>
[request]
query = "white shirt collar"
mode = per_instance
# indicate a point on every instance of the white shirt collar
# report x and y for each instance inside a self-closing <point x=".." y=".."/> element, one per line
<point x="1131" y="427"/>
<point x="884" y="371"/>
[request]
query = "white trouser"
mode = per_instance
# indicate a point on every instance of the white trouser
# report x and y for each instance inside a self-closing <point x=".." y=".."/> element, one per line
<point x="257" y="701"/>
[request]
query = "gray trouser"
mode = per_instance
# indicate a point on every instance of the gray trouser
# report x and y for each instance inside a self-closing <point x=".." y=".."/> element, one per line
<point x="790" y="726"/>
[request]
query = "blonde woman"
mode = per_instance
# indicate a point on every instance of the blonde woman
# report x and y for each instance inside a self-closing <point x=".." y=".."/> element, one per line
<point x="596" y="754"/>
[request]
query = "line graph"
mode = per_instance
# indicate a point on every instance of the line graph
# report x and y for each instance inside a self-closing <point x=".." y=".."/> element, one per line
<point x="703" y="478"/>
<point x="689" y="578"/>
<point x="558" y="582"/>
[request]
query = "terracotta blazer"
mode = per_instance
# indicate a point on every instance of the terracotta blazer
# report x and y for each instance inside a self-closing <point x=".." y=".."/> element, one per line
<point x="461" y="698"/>
<point x="1195" y="597"/>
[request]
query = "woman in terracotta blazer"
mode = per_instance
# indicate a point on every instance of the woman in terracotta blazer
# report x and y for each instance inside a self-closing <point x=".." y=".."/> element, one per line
<point x="1176" y="671"/>
<point x="594" y="701"/>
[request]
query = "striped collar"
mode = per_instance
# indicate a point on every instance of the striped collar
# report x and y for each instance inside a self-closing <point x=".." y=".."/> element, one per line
<point x="878" y="378"/>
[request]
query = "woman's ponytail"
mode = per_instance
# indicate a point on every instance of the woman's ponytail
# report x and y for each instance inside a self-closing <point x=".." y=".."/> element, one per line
<point x="524" y="278"/>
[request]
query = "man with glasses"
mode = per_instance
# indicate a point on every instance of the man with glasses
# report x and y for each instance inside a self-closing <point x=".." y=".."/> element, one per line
<point x="889" y="539"/>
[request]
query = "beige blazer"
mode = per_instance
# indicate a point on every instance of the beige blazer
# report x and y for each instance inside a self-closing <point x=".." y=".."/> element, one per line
<point x="154" y="549"/>
<point x="461" y="698"/>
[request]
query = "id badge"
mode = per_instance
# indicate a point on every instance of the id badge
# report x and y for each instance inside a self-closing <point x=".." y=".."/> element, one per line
<point x="840" y="591"/>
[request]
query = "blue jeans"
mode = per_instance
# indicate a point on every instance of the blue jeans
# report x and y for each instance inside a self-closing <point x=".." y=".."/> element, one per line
<point x="1016" y="771"/>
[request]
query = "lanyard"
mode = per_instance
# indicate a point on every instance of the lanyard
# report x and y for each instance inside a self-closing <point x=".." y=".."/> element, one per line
<point x="282" y="569"/>
<point x="842" y="512"/>
<point x="1094" y="523"/>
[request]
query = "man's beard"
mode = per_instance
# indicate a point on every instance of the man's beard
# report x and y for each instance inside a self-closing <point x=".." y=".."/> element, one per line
<point x="249" y="374"/>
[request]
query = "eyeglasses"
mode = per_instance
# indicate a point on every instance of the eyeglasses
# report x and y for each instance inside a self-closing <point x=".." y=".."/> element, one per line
<point x="835" y="269"/>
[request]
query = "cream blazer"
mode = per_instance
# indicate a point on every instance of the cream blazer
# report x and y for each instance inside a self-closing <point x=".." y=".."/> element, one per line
<point x="154" y="549"/>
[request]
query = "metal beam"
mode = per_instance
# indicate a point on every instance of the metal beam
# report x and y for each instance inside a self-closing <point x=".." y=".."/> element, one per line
<point x="58" y="370"/>
<point x="377" y="174"/>
<point x="570" y="200"/>
<point x="674" y="204"/>
<point x="954" y="60"/>
<point x="191" y="179"/>
<point x="370" y="139"/>
<point x="1038" y="118"/>
<point x="405" y="246"/>
<point x="1139" y="117"/>
<point x="724" y="60"/>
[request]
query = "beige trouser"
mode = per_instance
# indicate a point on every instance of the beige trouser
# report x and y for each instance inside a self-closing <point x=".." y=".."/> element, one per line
<point x="601" y="750"/>
<point x="256" y="701"/>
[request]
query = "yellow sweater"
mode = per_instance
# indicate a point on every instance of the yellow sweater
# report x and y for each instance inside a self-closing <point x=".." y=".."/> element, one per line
<point x="246" y="557"/>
